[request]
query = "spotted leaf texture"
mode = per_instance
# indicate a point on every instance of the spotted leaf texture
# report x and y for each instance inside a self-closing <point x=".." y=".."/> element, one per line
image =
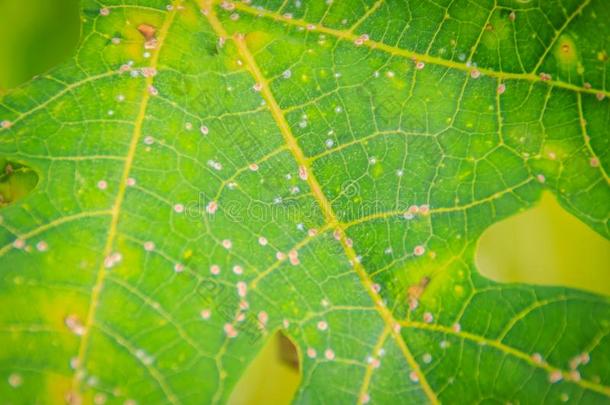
<point x="208" y="173"/>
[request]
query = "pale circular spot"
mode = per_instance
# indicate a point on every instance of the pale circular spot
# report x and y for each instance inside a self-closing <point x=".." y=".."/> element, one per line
<point x="242" y="289"/>
<point x="585" y="358"/>
<point x="428" y="317"/>
<point x="263" y="317"/>
<point x="15" y="380"/>
<point x="545" y="77"/>
<point x="74" y="363"/>
<point x="211" y="207"/>
<point x="99" y="398"/>
<point x="537" y="358"/>
<point x="555" y="376"/>
<point x="419" y="250"/>
<point x="230" y="330"/>
<point x="594" y="162"/>
<point x="303" y="172"/>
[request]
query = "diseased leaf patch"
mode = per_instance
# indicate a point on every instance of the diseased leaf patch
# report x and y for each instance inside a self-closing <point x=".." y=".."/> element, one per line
<point x="325" y="171"/>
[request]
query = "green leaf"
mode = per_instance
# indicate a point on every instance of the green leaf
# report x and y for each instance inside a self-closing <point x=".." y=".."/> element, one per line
<point x="209" y="173"/>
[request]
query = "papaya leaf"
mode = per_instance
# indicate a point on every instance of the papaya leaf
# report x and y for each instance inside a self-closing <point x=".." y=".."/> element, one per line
<point x="208" y="173"/>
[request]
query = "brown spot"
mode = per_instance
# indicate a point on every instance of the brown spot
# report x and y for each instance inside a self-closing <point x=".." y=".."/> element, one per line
<point x="414" y="292"/>
<point x="489" y="27"/>
<point x="287" y="351"/>
<point x="565" y="48"/>
<point x="147" y="31"/>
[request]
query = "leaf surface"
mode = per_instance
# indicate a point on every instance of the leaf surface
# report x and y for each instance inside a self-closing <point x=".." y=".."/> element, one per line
<point x="209" y="173"/>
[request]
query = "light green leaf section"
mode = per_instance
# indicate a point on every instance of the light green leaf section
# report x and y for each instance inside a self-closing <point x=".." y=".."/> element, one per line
<point x="209" y="173"/>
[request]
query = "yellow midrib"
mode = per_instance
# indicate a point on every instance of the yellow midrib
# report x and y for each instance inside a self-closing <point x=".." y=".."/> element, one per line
<point x="116" y="207"/>
<point x="319" y="196"/>
<point x="497" y="344"/>
<point x="439" y="210"/>
<point x="434" y="60"/>
<point x="370" y="367"/>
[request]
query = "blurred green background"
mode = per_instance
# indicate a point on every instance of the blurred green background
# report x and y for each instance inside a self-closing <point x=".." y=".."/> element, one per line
<point x="36" y="34"/>
<point x="544" y="245"/>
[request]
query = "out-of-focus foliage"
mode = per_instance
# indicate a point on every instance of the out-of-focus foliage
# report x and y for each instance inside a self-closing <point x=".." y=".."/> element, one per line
<point x="36" y="34"/>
